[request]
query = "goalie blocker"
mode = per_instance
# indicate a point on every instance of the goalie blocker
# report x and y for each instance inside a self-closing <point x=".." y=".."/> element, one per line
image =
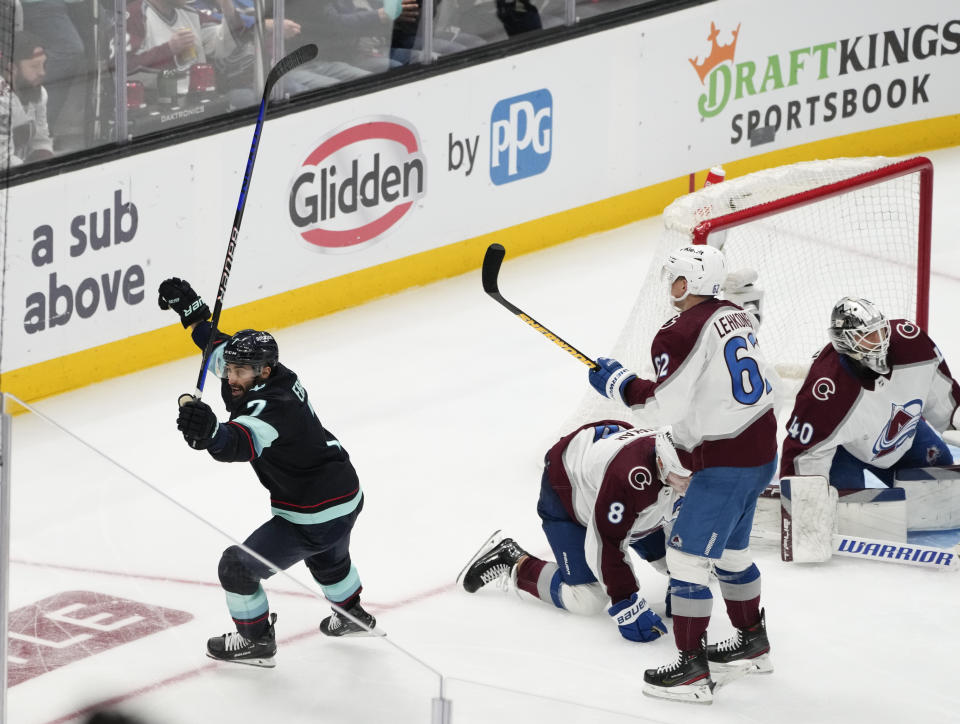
<point x="808" y="530"/>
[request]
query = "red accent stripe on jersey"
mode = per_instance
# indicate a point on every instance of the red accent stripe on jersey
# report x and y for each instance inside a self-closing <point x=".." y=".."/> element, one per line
<point x="253" y="450"/>
<point x="317" y="505"/>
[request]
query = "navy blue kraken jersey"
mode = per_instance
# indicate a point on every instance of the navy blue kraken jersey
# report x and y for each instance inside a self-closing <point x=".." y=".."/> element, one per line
<point x="275" y="428"/>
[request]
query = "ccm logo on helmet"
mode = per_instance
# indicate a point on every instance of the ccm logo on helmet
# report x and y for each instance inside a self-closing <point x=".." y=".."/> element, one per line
<point x="358" y="183"/>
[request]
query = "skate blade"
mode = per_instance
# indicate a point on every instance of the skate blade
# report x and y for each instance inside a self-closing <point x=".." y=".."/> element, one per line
<point x="699" y="693"/>
<point x="491" y="541"/>
<point x="725" y="673"/>
<point x="264" y="663"/>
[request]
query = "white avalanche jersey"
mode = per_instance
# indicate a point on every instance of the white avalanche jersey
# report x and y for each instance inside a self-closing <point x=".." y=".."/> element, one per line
<point x="605" y="474"/>
<point x="713" y="386"/>
<point x="872" y="419"/>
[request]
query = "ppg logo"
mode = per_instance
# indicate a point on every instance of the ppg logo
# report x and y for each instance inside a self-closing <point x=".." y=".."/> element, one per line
<point x="521" y="136"/>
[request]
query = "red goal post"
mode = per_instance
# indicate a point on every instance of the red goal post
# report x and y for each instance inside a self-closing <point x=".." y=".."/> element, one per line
<point x="920" y="165"/>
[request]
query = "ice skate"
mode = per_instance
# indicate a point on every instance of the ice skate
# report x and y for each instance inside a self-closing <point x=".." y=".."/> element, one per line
<point x="746" y="652"/>
<point x="236" y="648"/>
<point x="686" y="679"/>
<point x="337" y="625"/>
<point x="496" y="559"/>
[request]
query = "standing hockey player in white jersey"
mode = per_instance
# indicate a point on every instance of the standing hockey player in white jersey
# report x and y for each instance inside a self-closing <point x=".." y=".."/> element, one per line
<point x="712" y="385"/>
<point x="874" y="399"/>
<point x="605" y="487"/>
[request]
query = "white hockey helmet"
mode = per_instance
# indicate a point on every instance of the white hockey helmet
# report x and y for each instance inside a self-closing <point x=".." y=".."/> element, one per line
<point x="859" y="330"/>
<point x="668" y="463"/>
<point x="702" y="266"/>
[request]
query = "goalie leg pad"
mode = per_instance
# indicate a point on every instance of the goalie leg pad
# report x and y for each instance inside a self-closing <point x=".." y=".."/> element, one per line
<point x="808" y="519"/>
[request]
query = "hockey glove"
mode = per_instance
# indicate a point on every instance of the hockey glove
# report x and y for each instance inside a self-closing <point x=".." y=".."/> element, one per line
<point x="179" y="296"/>
<point x="610" y="377"/>
<point x="739" y="288"/>
<point x="636" y="621"/>
<point x="198" y="423"/>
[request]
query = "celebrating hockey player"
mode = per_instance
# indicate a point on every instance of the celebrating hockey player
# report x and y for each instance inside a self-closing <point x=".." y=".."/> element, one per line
<point x="713" y="387"/>
<point x="874" y="399"/>
<point x="606" y="486"/>
<point x="314" y="491"/>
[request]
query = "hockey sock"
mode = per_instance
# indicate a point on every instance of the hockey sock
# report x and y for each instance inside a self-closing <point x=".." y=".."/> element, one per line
<point x="534" y="576"/>
<point x="741" y="594"/>
<point x="249" y="612"/>
<point x="691" y="604"/>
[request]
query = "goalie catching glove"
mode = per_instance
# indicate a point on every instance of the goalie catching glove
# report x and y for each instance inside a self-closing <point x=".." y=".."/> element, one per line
<point x="178" y="295"/>
<point x="739" y="288"/>
<point x="610" y="377"/>
<point x="636" y="621"/>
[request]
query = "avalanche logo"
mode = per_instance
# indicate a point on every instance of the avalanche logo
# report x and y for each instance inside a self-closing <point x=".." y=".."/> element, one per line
<point x="899" y="428"/>
<point x="824" y="388"/>
<point x="639" y="478"/>
<point x="357" y="184"/>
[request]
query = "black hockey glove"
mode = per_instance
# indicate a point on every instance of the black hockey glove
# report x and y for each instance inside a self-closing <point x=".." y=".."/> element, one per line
<point x="179" y="296"/>
<point x="198" y="423"/>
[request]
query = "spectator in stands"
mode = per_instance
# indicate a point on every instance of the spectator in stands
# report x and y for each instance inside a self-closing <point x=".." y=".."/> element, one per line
<point x="169" y="35"/>
<point x="319" y="24"/>
<point x="24" y="74"/>
<point x="237" y="69"/>
<point x="407" y="41"/>
<point x="66" y="64"/>
<point x="359" y="32"/>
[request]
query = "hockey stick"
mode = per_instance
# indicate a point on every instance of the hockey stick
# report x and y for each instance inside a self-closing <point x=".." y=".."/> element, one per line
<point x="492" y="260"/>
<point x="288" y="62"/>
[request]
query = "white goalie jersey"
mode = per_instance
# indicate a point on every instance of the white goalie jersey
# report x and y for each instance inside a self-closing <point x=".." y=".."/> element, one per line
<point x="872" y="419"/>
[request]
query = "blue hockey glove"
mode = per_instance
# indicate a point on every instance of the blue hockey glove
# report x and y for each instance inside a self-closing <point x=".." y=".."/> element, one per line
<point x="198" y="423"/>
<point x="609" y="378"/>
<point x="636" y="621"/>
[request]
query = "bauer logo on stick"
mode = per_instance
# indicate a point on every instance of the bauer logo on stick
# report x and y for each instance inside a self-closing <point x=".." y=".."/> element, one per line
<point x="358" y="183"/>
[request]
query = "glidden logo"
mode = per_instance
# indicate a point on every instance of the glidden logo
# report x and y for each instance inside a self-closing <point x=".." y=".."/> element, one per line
<point x="358" y="183"/>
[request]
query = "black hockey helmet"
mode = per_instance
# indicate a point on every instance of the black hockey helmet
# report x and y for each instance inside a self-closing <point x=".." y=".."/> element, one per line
<point x="852" y="321"/>
<point x="251" y="347"/>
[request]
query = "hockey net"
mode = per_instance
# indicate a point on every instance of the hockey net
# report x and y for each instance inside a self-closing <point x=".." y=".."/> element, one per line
<point x="814" y="231"/>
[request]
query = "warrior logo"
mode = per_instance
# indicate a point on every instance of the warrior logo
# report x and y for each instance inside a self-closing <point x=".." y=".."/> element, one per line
<point x="899" y="428"/>
<point x="639" y="478"/>
<point x="823" y="388"/>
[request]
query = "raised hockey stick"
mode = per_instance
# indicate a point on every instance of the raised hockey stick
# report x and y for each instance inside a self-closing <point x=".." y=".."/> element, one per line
<point x="287" y="63"/>
<point x="492" y="260"/>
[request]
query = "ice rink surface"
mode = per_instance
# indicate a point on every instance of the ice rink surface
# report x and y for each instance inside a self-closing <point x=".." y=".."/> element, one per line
<point x="446" y="404"/>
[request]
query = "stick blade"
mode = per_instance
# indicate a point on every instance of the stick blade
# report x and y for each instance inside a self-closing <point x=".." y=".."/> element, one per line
<point x="492" y="260"/>
<point x="301" y="55"/>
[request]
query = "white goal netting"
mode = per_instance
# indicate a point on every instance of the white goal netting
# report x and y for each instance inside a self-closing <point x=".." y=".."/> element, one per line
<point x="814" y="231"/>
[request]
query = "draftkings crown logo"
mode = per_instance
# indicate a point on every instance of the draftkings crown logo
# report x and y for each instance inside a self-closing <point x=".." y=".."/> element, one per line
<point x="718" y="53"/>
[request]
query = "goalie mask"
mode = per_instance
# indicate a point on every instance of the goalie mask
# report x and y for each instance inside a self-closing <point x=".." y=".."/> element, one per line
<point x="703" y="267"/>
<point x="860" y="331"/>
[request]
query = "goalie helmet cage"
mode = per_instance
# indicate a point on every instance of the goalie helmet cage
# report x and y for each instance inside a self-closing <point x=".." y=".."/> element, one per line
<point x="814" y="231"/>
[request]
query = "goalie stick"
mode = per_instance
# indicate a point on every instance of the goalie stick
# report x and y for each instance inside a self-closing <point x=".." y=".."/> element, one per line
<point x="287" y="63"/>
<point x="492" y="260"/>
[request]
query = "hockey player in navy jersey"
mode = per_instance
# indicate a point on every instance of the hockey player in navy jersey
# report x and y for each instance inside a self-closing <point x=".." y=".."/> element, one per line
<point x="876" y="398"/>
<point x="713" y="386"/>
<point x="315" y="495"/>
<point x="605" y="487"/>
